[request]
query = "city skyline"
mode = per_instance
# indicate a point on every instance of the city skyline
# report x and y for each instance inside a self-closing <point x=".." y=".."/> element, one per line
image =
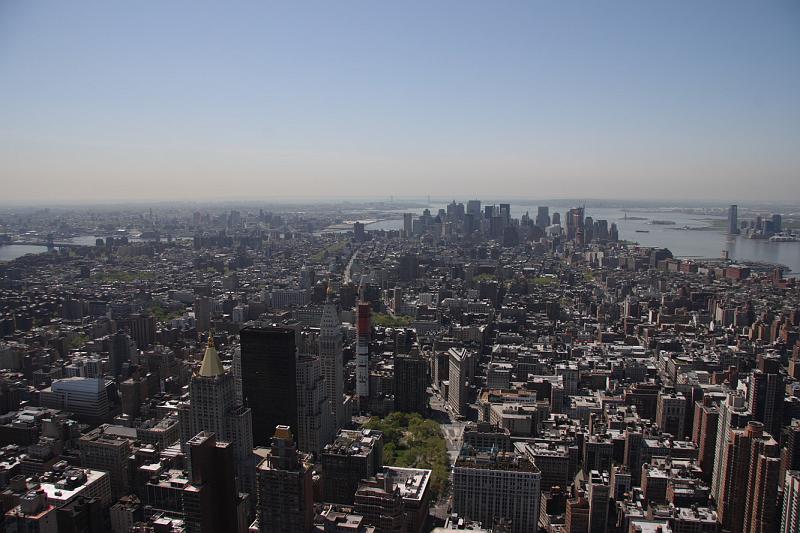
<point x="384" y="267"/>
<point x="677" y="101"/>
<point x="194" y="370"/>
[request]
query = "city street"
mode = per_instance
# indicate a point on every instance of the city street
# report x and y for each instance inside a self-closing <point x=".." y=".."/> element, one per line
<point x="452" y="429"/>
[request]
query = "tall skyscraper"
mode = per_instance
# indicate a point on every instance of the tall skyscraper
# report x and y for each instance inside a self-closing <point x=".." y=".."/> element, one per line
<point x="410" y="384"/>
<point x="285" y="489"/>
<point x="215" y="408"/>
<point x="330" y="353"/>
<point x="315" y="422"/>
<point x="505" y="212"/>
<point x="459" y="361"/>
<point x="543" y="216"/>
<point x="269" y="378"/>
<point x="790" y="455"/>
<point x="598" y="494"/>
<point x="790" y="520"/>
<point x="704" y="435"/>
<point x="575" y="221"/>
<point x="210" y="502"/>
<point x="363" y="328"/>
<point x="766" y="393"/>
<point x="408" y="225"/>
<point x="777" y="223"/>
<point x="749" y="485"/>
<point x="202" y="313"/>
<point x="733" y="413"/>
<point x="120" y="352"/>
<point x="474" y="208"/>
<point x="733" y="220"/>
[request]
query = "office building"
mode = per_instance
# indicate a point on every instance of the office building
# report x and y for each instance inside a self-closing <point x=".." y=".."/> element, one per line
<point x="211" y="502"/>
<point x="552" y="459"/>
<point x="330" y="353"/>
<point x="269" y="379"/>
<point x="215" y="408"/>
<point x="598" y="494"/>
<point x="65" y="484"/>
<point x="485" y="437"/>
<point x="408" y="225"/>
<point x="32" y="515"/>
<point x="125" y="513"/>
<point x="577" y="514"/>
<point x="410" y="384"/>
<point x="202" y="313"/>
<point x="733" y="220"/>
<point x="459" y="361"/>
<point x="574" y="222"/>
<point x="142" y="328"/>
<point x="543" y="216"/>
<point x="408" y="267"/>
<point x="501" y="485"/>
<point x="352" y="456"/>
<point x="285" y="491"/>
<point x="120" y="353"/>
<point x="85" y="397"/>
<point x="107" y="451"/>
<point x="474" y="208"/>
<point x="671" y="413"/>
<point x="505" y="212"/>
<point x="315" y="422"/>
<point x="204" y="496"/>
<point x="359" y="235"/>
<point x="380" y="503"/>
<point x="413" y="485"/>
<point x="83" y="515"/>
<point x="363" y="329"/>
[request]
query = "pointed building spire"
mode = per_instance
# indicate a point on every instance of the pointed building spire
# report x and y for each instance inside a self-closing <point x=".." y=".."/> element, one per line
<point x="329" y="294"/>
<point x="211" y="365"/>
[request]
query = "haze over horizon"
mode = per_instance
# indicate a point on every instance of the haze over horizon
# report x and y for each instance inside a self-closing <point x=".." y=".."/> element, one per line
<point x="194" y="101"/>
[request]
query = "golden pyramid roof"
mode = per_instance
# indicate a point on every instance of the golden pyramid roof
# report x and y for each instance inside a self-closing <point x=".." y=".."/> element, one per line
<point x="211" y="365"/>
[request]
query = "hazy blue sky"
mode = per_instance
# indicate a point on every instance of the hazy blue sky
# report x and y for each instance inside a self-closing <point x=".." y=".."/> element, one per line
<point x="196" y="100"/>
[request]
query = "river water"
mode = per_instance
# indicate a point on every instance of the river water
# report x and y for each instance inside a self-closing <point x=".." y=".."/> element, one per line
<point x="9" y="253"/>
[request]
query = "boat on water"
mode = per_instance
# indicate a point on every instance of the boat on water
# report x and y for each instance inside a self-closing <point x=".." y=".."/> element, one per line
<point x="783" y="237"/>
<point x="642" y="231"/>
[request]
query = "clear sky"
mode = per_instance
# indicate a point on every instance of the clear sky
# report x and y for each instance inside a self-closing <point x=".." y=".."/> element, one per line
<point x="597" y="99"/>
